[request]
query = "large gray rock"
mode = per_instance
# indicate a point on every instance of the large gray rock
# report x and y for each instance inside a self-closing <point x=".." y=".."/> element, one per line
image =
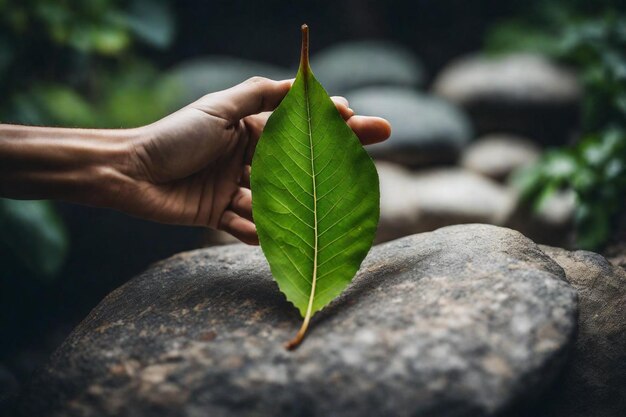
<point x="465" y="321"/>
<point x="201" y="76"/>
<point x="346" y="66"/>
<point x="425" y="129"/>
<point x="518" y="93"/>
<point x="497" y="155"/>
<point x="415" y="202"/>
<point x="594" y="382"/>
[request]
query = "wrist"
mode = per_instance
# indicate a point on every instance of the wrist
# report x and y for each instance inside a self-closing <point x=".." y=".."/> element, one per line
<point x="112" y="169"/>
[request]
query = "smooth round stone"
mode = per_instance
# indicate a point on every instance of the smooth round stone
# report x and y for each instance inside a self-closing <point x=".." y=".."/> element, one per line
<point x="552" y="223"/>
<point x="425" y="129"/>
<point x="347" y="66"/>
<point x="201" y="76"/>
<point x="498" y="155"/>
<point x="465" y="321"/>
<point x="415" y="202"/>
<point x="519" y="93"/>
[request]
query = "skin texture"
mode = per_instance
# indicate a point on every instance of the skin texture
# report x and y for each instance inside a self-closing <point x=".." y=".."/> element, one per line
<point x="191" y="167"/>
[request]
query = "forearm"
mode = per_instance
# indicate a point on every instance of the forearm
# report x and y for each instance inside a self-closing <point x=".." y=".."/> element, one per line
<point x="78" y="165"/>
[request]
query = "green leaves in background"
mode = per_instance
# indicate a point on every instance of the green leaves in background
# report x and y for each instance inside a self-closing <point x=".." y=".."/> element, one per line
<point x="32" y="235"/>
<point x="315" y="196"/>
<point x="590" y="36"/>
<point x="596" y="170"/>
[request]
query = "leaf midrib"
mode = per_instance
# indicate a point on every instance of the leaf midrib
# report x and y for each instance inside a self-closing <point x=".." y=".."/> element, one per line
<point x="313" y="180"/>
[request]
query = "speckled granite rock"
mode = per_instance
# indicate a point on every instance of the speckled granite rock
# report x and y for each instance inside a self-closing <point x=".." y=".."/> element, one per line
<point x="518" y="93"/>
<point x="594" y="382"/>
<point x="465" y="321"/>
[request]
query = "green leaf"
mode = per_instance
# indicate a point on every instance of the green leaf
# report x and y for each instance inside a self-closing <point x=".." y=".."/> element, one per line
<point x="315" y="196"/>
<point x="33" y="234"/>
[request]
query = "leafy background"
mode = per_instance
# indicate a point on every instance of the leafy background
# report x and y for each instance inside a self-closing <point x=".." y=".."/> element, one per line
<point x="111" y="63"/>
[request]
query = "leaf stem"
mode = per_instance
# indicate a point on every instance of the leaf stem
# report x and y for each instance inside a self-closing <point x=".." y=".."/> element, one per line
<point x="304" y="54"/>
<point x="304" y="66"/>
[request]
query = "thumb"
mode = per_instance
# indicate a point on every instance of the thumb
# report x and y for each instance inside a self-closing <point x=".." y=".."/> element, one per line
<point x="253" y="96"/>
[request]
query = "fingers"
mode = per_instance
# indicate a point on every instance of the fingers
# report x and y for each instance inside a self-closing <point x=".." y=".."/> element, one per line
<point x="245" y="177"/>
<point x="241" y="203"/>
<point x="257" y="122"/>
<point x="343" y="107"/>
<point x="242" y="229"/>
<point x="253" y="96"/>
<point x="370" y="129"/>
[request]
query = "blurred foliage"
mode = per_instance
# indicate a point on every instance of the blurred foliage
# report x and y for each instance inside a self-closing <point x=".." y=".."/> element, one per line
<point x="591" y="38"/>
<point x="33" y="236"/>
<point x="74" y="63"/>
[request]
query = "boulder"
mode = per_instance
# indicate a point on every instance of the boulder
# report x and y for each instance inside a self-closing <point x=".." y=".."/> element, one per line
<point x="466" y="321"/>
<point x="498" y="155"/>
<point x="347" y="66"/>
<point x="414" y="202"/>
<point x="519" y="93"/>
<point x="594" y="381"/>
<point x="425" y="130"/>
<point x="201" y="76"/>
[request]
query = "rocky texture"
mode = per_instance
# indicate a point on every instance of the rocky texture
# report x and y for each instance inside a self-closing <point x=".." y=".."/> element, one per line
<point x="519" y="93"/>
<point x="497" y="155"/>
<point x="594" y="382"/>
<point x="347" y="66"/>
<point x="425" y="129"/>
<point x="427" y="200"/>
<point x="201" y="76"/>
<point x="464" y="321"/>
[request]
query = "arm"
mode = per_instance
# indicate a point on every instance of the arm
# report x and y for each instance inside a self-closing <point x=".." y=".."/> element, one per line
<point x="191" y="167"/>
<point x="79" y="165"/>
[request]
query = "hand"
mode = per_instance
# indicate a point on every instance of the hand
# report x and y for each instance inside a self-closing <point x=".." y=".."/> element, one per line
<point x="193" y="167"/>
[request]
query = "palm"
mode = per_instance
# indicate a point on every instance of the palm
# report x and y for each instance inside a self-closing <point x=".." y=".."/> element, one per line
<point x="202" y="189"/>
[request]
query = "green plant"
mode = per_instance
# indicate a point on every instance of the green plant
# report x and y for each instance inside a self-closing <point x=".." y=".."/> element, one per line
<point x="32" y="236"/>
<point x="595" y="167"/>
<point x="316" y="197"/>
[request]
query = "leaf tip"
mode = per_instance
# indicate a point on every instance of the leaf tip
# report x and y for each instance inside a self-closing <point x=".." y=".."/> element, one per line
<point x="304" y="58"/>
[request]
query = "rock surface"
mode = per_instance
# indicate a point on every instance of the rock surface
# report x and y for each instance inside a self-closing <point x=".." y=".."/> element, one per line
<point x="425" y="129"/>
<point x="518" y="93"/>
<point x="497" y="155"/>
<point x="465" y="321"/>
<point x="594" y="382"/>
<point x="427" y="200"/>
<point x="201" y="76"/>
<point x="347" y="66"/>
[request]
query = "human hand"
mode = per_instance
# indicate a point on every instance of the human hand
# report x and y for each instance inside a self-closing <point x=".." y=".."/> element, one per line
<point x="193" y="167"/>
